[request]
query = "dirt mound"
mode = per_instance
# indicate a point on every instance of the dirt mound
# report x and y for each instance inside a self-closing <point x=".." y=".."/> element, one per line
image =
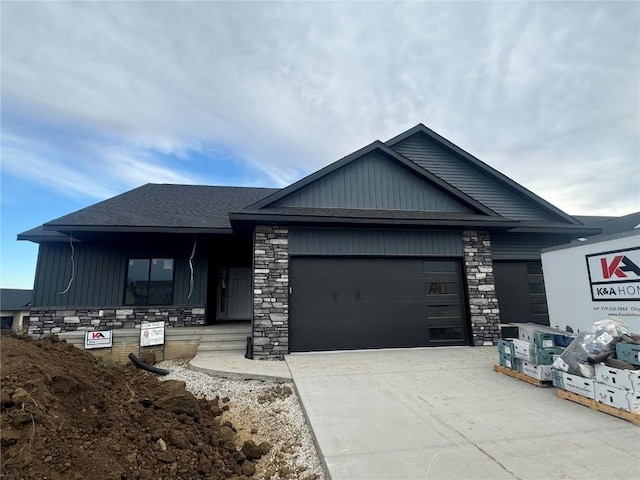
<point x="65" y="415"/>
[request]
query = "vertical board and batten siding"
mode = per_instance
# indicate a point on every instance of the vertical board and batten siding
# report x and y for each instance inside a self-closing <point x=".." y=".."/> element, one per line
<point x="373" y="182"/>
<point x="523" y="246"/>
<point x="470" y="180"/>
<point x="378" y="242"/>
<point x="99" y="276"/>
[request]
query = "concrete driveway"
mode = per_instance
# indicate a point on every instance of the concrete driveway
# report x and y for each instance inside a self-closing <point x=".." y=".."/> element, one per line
<point x="443" y="413"/>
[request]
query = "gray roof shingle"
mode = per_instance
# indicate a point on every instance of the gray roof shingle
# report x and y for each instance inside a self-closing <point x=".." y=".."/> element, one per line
<point x="14" y="299"/>
<point x="165" y="206"/>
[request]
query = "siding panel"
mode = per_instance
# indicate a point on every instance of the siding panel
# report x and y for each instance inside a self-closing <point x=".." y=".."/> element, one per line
<point x="373" y="182"/>
<point x="469" y="180"/>
<point x="523" y="246"/>
<point x="336" y="241"/>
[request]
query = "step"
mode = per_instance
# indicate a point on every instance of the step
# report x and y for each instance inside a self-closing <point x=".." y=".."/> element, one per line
<point x="218" y="346"/>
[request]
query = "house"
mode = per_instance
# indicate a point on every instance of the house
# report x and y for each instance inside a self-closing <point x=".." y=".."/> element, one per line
<point x="410" y="242"/>
<point x="14" y="308"/>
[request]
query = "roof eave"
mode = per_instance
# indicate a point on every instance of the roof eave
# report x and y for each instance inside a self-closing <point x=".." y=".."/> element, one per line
<point x="361" y="221"/>
<point x="133" y="229"/>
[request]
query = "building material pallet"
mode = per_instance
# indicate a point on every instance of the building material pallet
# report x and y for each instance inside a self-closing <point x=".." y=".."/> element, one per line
<point x="601" y="407"/>
<point x="521" y="376"/>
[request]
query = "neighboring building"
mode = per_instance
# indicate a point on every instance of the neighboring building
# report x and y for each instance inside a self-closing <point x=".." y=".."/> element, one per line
<point x="412" y="242"/>
<point x="14" y="308"/>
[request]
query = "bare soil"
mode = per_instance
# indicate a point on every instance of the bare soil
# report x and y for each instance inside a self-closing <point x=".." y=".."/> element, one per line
<point x="66" y="415"/>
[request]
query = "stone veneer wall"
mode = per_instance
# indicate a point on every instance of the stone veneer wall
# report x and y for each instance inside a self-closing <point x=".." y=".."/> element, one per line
<point x="45" y="321"/>
<point x="483" y="303"/>
<point x="270" y="292"/>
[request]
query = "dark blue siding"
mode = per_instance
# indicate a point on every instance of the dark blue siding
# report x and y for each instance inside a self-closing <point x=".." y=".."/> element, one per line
<point x="373" y="182"/>
<point x="100" y="271"/>
<point x="470" y="180"/>
<point x="523" y="246"/>
<point x="382" y="242"/>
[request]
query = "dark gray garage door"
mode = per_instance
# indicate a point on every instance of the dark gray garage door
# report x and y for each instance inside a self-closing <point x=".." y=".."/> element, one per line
<point x="520" y="292"/>
<point x="353" y="303"/>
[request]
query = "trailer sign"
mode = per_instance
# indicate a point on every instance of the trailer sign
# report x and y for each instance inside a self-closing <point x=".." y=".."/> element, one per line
<point x="101" y="339"/>
<point x="614" y="275"/>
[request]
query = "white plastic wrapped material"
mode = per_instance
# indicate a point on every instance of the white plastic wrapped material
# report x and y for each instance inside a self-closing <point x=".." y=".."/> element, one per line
<point x="591" y="347"/>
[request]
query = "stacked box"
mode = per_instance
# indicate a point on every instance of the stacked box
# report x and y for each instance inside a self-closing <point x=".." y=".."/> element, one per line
<point x="618" y="378"/>
<point x="573" y="383"/>
<point x="629" y="352"/>
<point x="506" y="354"/>
<point x="618" y="388"/>
<point x="541" y="372"/>
<point x="530" y="352"/>
<point x="617" y="397"/>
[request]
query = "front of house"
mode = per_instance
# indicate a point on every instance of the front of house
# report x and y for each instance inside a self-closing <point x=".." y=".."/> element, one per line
<point x="412" y="242"/>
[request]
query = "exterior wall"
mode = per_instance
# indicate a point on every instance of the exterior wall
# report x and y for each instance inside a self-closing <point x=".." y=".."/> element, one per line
<point x="373" y="181"/>
<point x="523" y="246"/>
<point x="481" y="290"/>
<point x="270" y="292"/>
<point x="19" y="319"/>
<point x="469" y="179"/>
<point x="355" y="241"/>
<point x="46" y="321"/>
<point x="99" y="274"/>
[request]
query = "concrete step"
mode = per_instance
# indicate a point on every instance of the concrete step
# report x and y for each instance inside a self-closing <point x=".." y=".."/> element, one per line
<point x="221" y="346"/>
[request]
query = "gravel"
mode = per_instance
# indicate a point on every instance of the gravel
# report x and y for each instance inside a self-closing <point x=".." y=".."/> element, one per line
<point x="261" y="411"/>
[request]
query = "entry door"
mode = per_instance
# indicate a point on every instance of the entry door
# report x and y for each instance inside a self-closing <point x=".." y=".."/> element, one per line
<point x="234" y="294"/>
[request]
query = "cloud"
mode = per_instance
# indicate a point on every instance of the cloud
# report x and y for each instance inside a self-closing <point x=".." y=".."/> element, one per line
<point x="547" y="93"/>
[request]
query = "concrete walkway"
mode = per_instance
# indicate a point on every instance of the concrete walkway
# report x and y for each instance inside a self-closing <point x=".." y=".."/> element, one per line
<point x="232" y="364"/>
<point x="442" y="413"/>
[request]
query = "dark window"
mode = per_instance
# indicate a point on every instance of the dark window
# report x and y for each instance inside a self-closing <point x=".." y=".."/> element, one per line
<point x="149" y="281"/>
<point x="444" y="334"/>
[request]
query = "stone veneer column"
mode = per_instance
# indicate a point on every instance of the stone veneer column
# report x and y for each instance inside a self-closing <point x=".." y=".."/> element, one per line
<point x="483" y="303"/>
<point x="270" y="292"/>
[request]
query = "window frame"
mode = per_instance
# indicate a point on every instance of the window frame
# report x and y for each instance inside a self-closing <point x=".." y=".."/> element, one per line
<point x="150" y="261"/>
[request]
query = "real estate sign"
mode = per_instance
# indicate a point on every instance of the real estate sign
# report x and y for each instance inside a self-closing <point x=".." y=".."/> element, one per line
<point x="151" y="334"/>
<point x="101" y="339"/>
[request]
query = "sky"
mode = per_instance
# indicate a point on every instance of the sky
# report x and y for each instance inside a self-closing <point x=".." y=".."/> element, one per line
<point x="98" y="98"/>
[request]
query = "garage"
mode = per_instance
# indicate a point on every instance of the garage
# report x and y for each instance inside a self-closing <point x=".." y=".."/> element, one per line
<point x="520" y="288"/>
<point x="340" y="303"/>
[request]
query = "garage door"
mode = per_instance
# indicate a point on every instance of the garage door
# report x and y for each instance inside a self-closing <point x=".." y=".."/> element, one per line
<point x="520" y="292"/>
<point x="354" y="303"/>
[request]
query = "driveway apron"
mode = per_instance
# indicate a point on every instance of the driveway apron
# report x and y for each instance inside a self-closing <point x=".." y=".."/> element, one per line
<point x="436" y="413"/>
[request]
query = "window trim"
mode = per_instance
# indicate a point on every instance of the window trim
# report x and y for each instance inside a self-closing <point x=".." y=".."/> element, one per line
<point x="150" y="267"/>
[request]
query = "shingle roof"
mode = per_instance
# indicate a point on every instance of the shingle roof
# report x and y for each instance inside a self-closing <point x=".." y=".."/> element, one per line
<point x="165" y="206"/>
<point x="14" y="299"/>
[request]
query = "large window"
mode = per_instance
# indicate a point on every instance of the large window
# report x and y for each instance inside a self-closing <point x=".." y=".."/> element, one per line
<point x="149" y="281"/>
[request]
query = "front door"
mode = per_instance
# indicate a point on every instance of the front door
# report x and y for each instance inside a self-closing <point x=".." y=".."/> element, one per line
<point x="234" y="294"/>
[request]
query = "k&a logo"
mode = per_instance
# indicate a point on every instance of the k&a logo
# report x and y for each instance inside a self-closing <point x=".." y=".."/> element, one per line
<point x="618" y="266"/>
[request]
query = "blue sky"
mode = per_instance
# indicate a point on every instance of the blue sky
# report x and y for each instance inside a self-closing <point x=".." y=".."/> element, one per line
<point x="101" y="97"/>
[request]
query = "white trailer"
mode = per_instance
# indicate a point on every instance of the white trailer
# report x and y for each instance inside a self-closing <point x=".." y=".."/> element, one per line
<point x="596" y="278"/>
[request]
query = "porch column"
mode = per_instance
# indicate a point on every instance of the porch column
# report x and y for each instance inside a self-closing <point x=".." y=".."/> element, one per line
<point x="270" y="292"/>
<point x="481" y="289"/>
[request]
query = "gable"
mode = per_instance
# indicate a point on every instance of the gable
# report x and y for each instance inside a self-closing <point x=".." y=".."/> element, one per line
<point x="372" y="181"/>
<point x="470" y="180"/>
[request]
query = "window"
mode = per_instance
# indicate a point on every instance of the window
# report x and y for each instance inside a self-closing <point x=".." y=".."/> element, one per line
<point x="149" y="281"/>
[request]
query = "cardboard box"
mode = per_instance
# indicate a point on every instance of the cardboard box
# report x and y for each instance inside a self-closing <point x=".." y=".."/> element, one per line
<point x="617" y="397"/>
<point x="543" y="340"/>
<point x="541" y="372"/>
<point x="574" y="383"/>
<point x="505" y="346"/>
<point x="615" y="377"/>
<point x="628" y="352"/>
<point x="506" y="361"/>
<point x="525" y="350"/>
<point x="529" y="352"/>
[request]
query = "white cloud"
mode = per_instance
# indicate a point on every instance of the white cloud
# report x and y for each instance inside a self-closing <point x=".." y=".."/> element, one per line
<point x="547" y="93"/>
